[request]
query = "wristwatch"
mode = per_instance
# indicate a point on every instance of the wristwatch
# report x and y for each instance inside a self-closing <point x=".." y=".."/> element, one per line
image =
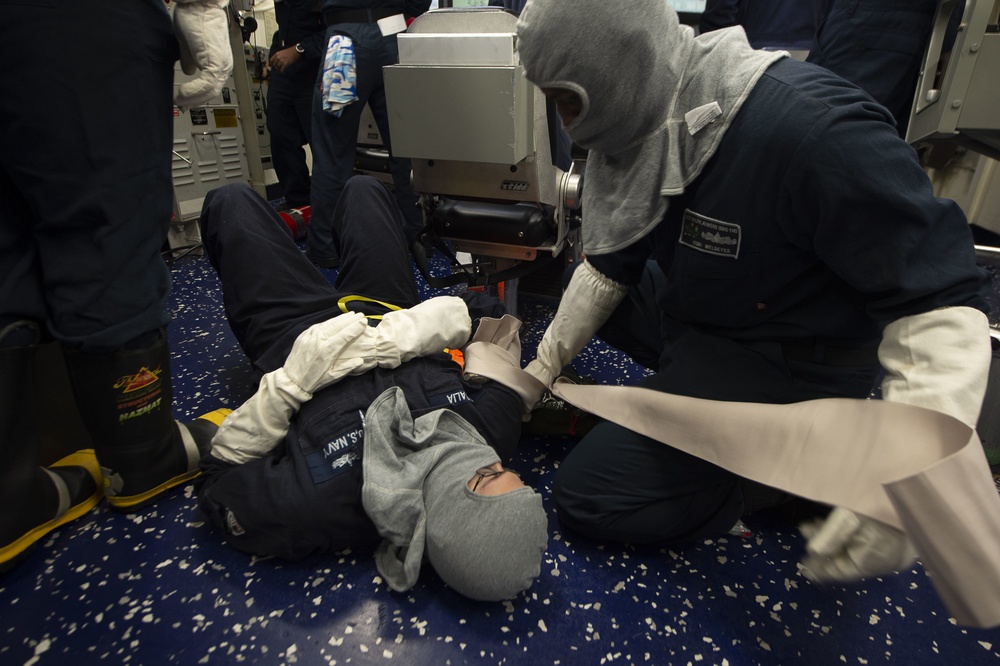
<point x="299" y="48"/>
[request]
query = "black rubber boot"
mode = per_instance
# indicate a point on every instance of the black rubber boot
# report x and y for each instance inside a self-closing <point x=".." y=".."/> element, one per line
<point x="125" y="400"/>
<point x="33" y="500"/>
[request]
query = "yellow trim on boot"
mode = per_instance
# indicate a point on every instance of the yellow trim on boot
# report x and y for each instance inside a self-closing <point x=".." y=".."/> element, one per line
<point x="216" y="417"/>
<point x="133" y="502"/>
<point x="84" y="458"/>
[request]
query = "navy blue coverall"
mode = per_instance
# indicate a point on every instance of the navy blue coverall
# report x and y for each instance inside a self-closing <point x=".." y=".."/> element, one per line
<point x="878" y="45"/>
<point x="305" y="497"/>
<point x="769" y="24"/>
<point x="769" y="280"/>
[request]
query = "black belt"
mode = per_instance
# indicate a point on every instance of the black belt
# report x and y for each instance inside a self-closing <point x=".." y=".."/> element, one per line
<point x="333" y="16"/>
<point x="840" y="357"/>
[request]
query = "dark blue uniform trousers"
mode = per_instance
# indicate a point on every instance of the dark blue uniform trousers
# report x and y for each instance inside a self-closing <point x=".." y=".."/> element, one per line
<point x="85" y="180"/>
<point x="289" y="122"/>
<point x="272" y="292"/>
<point x="335" y="140"/>
<point x="622" y="486"/>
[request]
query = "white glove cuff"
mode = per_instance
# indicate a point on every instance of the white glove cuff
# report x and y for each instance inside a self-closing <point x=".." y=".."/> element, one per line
<point x="939" y="360"/>
<point x="589" y="300"/>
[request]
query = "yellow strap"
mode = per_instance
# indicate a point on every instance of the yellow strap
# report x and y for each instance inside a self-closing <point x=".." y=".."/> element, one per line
<point x="342" y="303"/>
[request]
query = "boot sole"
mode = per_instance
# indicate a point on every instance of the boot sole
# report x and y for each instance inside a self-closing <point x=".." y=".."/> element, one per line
<point x="129" y="503"/>
<point x="13" y="553"/>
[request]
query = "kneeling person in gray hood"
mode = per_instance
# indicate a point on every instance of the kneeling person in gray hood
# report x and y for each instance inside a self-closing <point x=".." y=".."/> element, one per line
<point x="755" y="231"/>
<point x="364" y="432"/>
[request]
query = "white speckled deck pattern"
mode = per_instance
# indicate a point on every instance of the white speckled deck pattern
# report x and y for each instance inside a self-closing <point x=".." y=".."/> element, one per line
<point x="160" y="587"/>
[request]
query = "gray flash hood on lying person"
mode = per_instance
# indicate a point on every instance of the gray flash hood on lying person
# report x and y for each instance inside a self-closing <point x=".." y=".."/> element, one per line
<point x="656" y="101"/>
<point x="416" y="473"/>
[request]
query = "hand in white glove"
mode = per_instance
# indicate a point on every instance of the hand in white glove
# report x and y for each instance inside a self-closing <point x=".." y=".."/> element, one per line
<point x="425" y="328"/>
<point x="329" y="351"/>
<point x="256" y="427"/>
<point x="587" y="303"/>
<point x="324" y="352"/>
<point x="402" y="335"/>
<point x="202" y="30"/>
<point x="847" y="547"/>
<point x="320" y="356"/>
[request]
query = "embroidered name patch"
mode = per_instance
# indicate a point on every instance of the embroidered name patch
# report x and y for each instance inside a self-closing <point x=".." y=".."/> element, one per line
<point x="712" y="236"/>
<point x="336" y="457"/>
<point x="449" y="399"/>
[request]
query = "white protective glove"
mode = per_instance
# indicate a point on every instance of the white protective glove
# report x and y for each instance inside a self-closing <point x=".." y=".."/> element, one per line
<point x="202" y="30"/>
<point x="425" y="328"/>
<point x="587" y="303"/>
<point x="319" y="357"/>
<point x="938" y="360"/>
<point x="326" y="353"/>
<point x="846" y="547"/>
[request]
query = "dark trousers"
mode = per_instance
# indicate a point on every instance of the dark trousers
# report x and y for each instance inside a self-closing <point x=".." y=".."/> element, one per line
<point x="335" y="139"/>
<point x="271" y="292"/>
<point x="289" y="122"/>
<point x="85" y="179"/>
<point x="619" y="485"/>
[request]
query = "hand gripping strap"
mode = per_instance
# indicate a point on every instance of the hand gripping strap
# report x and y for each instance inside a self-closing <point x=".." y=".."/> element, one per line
<point x="495" y="352"/>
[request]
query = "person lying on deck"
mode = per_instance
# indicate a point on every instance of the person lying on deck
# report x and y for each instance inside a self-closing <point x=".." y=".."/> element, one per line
<point x="364" y="431"/>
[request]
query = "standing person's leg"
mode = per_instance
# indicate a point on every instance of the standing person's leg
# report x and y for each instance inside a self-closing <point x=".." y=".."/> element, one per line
<point x="99" y="179"/>
<point x="33" y="500"/>
<point x="400" y="168"/>
<point x="101" y="215"/>
<point x="305" y="89"/>
<point x="287" y="137"/>
<point x="334" y="148"/>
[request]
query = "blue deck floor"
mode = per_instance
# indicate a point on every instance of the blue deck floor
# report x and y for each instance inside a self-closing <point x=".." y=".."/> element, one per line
<point x="160" y="586"/>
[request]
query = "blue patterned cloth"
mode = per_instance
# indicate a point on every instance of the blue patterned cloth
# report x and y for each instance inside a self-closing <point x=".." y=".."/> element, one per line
<point x="339" y="79"/>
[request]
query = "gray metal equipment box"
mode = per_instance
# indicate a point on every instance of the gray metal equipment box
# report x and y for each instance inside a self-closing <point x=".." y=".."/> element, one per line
<point x="460" y="113"/>
<point x="958" y="95"/>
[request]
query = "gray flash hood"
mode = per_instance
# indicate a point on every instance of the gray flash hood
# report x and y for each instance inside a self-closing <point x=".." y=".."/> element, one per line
<point x="415" y="473"/>
<point x="656" y="101"/>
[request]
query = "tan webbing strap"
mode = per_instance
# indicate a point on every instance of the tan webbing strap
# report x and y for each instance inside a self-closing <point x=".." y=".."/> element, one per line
<point x="915" y="469"/>
<point x="495" y="352"/>
<point x="912" y="468"/>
